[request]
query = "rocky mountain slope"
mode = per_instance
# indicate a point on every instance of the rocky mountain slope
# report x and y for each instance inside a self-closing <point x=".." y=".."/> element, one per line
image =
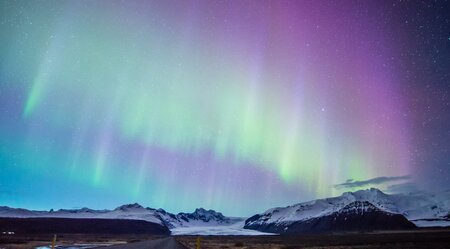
<point x="420" y="208"/>
<point x="356" y="216"/>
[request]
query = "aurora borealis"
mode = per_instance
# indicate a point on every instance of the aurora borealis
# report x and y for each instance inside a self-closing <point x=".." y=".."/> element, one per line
<point x="236" y="106"/>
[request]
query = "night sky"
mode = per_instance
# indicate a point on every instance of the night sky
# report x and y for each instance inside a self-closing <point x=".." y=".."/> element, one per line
<point x="237" y="106"/>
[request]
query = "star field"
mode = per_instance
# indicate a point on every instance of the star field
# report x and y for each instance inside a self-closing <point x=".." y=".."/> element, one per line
<point x="234" y="106"/>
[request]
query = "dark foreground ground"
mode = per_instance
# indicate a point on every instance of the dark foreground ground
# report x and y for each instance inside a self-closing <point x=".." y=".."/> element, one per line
<point x="80" y="226"/>
<point x="401" y="239"/>
<point x="163" y="243"/>
<point x="22" y="241"/>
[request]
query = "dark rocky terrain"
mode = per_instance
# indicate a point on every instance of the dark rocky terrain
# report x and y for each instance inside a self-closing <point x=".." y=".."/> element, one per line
<point x="80" y="226"/>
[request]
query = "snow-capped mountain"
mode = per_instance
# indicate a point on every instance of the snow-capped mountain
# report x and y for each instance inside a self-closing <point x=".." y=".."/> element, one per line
<point x="200" y="217"/>
<point x="420" y="208"/>
<point x="130" y="212"/>
<point x="356" y="216"/>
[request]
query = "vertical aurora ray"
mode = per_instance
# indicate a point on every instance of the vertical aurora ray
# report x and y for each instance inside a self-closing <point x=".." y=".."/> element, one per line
<point x="207" y="106"/>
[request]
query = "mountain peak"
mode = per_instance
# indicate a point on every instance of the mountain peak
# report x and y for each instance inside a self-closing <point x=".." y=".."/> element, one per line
<point x="210" y="212"/>
<point x="201" y="214"/>
<point x="202" y="211"/>
<point x="129" y="206"/>
<point x="81" y="210"/>
<point x="365" y="192"/>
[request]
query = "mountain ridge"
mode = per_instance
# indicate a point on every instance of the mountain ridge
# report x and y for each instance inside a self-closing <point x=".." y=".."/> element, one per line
<point x="422" y="209"/>
<point x="133" y="211"/>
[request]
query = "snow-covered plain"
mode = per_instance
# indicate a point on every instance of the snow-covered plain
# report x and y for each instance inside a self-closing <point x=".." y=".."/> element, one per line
<point x="233" y="229"/>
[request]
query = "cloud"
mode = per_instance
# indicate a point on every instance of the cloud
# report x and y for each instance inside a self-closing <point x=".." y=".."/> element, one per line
<point x="350" y="183"/>
<point x="406" y="187"/>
